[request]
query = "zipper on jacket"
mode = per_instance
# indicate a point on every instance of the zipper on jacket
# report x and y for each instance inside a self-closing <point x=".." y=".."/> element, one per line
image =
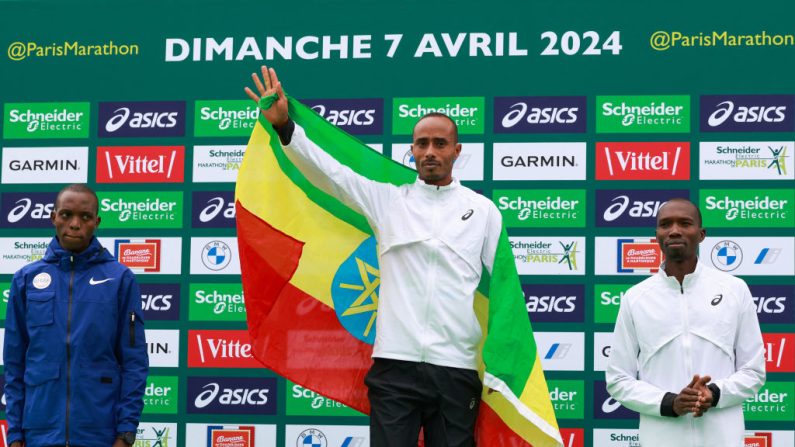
<point x="68" y="344"/>
<point x="686" y="346"/>
<point x="431" y="282"/>
<point x="132" y="329"/>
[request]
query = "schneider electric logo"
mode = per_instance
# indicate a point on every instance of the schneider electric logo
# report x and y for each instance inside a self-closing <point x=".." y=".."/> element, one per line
<point x="468" y="113"/>
<point x="46" y="120"/>
<point x="217" y="302"/>
<point x="643" y="114"/>
<point x="231" y="118"/>
<point x="162" y="209"/>
<point x="541" y="208"/>
<point x="738" y="208"/>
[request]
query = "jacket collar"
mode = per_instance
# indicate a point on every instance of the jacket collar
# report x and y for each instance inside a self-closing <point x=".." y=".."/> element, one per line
<point x="436" y="191"/>
<point x="95" y="253"/>
<point x="686" y="282"/>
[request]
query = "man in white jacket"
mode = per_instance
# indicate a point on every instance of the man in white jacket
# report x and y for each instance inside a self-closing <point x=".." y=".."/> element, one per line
<point x="434" y="237"/>
<point x="687" y="349"/>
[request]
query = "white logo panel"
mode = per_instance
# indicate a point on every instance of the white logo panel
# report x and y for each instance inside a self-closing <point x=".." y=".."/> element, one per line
<point x="561" y="351"/>
<point x="327" y="435"/>
<point x="549" y="255"/>
<point x="170" y="253"/>
<point x="162" y="345"/>
<point x="539" y="161"/>
<point x="602" y="341"/>
<point x="606" y="255"/>
<point x="16" y="253"/>
<point x="156" y="433"/>
<point x="214" y="256"/>
<point x="746" y="160"/>
<point x="616" y="437"/>
<point x="217" y="163"/>
<point x="196" y="435"/>
<point x="750" y="256"/>
<point x="45" y="165"/>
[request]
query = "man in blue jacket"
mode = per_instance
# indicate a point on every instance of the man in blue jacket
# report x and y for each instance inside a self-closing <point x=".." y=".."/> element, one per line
<point x="75" y="353"/>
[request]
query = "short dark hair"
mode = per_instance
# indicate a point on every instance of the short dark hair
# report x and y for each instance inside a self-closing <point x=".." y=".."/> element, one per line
<point x="78" y="187"/>
<point x="700" y="221"/>
<point x="437" y="115"/>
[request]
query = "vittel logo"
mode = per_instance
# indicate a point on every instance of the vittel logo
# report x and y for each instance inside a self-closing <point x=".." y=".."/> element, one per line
<point x="356" y="116"/>
<point x="140" y="164"/>
<point x="767" y="113"/>
<point x="142" y="119"/>
<point x="539" y="114"/>
<point x="632" y="208"/>
<point x="643" y="161"/>
<point x="220" y="349"/>
<point x="27" y="210"/>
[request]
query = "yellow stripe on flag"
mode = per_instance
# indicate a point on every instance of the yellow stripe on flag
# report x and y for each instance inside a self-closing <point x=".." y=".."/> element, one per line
<point x="268" y="192"/>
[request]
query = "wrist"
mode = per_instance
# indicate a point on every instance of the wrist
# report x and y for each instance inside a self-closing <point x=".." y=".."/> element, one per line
<point x="127" y="437"/>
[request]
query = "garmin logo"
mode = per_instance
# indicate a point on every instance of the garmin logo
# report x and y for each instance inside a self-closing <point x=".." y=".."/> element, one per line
<point x="538" y="161"/>
<point x="542" y="114"/>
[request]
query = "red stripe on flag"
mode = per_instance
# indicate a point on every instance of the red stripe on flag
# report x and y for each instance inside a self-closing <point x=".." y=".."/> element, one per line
<point x="492" y="431"/>
<point x="292" y="333"/>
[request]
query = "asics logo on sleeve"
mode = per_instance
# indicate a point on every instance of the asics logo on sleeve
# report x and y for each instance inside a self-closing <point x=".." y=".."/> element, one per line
<point x="468" y="214"/>
<point x="718" y="298"/>
<point x="94" y="282"/>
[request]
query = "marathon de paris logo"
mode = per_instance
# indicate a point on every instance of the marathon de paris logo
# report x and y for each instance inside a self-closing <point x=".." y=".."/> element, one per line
<point x="354" y="291"/>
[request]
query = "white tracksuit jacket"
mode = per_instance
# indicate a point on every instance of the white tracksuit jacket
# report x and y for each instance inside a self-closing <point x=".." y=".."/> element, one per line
<point x="432" y="245"/>
<point x="665" y="334"/>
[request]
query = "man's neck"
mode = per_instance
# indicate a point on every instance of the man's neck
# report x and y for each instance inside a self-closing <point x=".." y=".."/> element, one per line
<point x="679" y="269"/>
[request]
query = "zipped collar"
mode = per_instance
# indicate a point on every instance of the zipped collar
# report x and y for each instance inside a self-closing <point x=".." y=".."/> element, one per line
<point x="434" y="190"/>
<point x="95" y="253"/>
<point x="671" y="281"/>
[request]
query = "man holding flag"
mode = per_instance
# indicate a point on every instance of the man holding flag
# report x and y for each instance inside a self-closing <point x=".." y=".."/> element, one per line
<point x="434" y="238"/>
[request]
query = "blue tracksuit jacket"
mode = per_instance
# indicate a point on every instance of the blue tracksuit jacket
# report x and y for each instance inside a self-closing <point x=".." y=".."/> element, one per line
<point x="75" y="353"/>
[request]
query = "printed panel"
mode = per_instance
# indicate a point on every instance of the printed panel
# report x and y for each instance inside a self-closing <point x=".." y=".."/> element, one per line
<point x="354" y="116"/>
<point x="540" y="114"/>
<point x="561" y="351"/>
<point x="747" y="113"/>
<point x="160" y="301"/>
<point x="774" y="402"/>
<point x="225" y="118"/>
<point x="217" y="302"/>
<point x="748" y="208"/>
<point x="26" y="209"/>
<point x="230" y="435"/>
<point x="549" y="255"/>
<point x="232" y="395"/>
<point x="643" y="114"/>
<point x="217" y="163"/>
<point x="533" y="208"/>
<point x="627" y="255"/>
<point x="45" y="165"/>
<point x="220" y="349"/>
<point x="327" y="435"/>
<point x="163" y="347"/>
<point x="633" y="207"/>
<point x="46" y="120"/>
<point x="468" y="113"/>
<point x="214" y="256"/>
<point x="142" y="119"/>
<point x="774" y="304"/>
<point x="555" y="303"/>
<point x="751" y="256"/>
<point x="539" y="161"/>
<point x="150" y="434"/>
<point x="643" y="161"/>
<point x="157" y="256"/>
<point x="746" y="160"/>
<point x="17" y="252"/>
<point x="213" y="209"/>
<point x="140" y="164"/>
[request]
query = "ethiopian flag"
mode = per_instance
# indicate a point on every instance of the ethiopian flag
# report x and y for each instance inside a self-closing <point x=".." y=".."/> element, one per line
<point x="310" y="278"/>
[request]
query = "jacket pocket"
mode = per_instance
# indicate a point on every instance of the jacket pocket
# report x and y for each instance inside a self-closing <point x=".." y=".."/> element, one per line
<point x="41" y="309"/>
<point x="43" y="403"/>
<point x="96" y="395"/>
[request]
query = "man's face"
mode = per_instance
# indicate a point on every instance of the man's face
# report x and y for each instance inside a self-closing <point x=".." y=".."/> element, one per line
<point x="679" y="231"/>
<point x="75" y="220"/>
<point x="435" y="149"/>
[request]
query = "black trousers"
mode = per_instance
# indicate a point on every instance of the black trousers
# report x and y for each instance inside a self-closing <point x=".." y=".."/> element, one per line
<point x="405" y="396"/>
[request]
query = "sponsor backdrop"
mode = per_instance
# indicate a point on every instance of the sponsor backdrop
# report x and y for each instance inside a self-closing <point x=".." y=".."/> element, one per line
<point x="577" y="118"/>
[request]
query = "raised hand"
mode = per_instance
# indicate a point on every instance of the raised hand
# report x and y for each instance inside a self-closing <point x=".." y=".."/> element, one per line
<point x="277" y="113"/>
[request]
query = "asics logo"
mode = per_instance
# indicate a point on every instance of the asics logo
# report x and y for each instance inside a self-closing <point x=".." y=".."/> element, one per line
<point x="467" y="215"/>
<point x="94" y="282"/>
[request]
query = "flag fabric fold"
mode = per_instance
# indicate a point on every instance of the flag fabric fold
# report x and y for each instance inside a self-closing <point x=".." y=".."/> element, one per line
<point x="304" y="254"/>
